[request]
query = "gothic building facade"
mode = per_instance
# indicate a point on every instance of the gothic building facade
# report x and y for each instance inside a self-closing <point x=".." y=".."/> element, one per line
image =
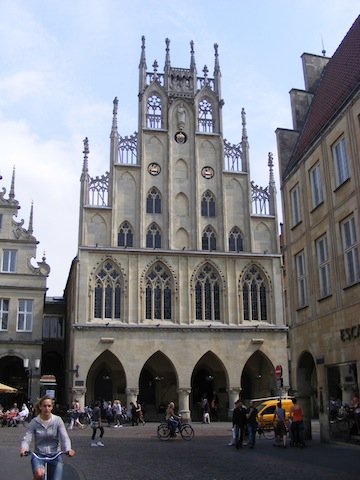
<point x="176" y="289"/>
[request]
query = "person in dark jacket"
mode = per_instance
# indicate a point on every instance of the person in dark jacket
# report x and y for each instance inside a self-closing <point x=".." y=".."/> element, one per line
<point x="239" y="422"/>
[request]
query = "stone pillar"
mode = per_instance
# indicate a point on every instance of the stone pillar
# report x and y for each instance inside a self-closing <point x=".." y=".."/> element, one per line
<point x="79" y="394"/>
<point x="131" y="395"/>
<point x="234" y="394"/>
<point x="184" y="409"/>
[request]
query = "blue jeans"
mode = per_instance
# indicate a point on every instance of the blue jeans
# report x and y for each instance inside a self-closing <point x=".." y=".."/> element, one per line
<point x="252" y="427"/>
<point x="55" y="467"/>
<point x="173" y="425"/>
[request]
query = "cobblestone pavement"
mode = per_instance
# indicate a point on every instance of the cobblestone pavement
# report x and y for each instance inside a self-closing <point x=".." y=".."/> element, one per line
<point x="135" y="453"/>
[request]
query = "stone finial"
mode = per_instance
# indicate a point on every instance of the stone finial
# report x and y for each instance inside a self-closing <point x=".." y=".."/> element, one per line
<point x="192" y="53"/>
<point x="167" y="56"/>
<point x="86" y="152"/>
<point x="115" y="110"/>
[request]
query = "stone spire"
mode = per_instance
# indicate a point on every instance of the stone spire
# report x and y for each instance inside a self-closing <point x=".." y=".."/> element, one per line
<point x="12" y="188"/>
<point x="114" y="121"/>
<point x="30" y="229"/>
<point x="192" y="60"/>
<point x="142" y="67"/>
<point x="86" y="152"/>
<point x="217" y="73"/>
<point x="244" y="143"/>
<point x="167" y="55"/>
<point x="272" y="188"/>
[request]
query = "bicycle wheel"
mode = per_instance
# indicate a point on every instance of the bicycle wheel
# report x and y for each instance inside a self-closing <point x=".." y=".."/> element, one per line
<point x="163" y="431"/>
<point x="67" y="419"/>
<point x="186" y="431"/>
<point x="269" y="431"/>
<point x="84" y="419"/>
<point x="343" y="425"/>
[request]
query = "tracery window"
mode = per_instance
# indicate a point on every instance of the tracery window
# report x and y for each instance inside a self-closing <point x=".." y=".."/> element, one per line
<point x="158" y="293"/>
<point x="209" y="239"/>
<point x="153" y="237"/>
<point x="208" y="204"/>
<point x="153" y="115"/>
<point x="207" y="294"/>
<point x="153" y="201"/>
<point x="206" y="122"/>
<point x="107" y="296"/>
<point x="125" y="235"/>
<point x="236" y="243"/>
<point x="255" y="296"/>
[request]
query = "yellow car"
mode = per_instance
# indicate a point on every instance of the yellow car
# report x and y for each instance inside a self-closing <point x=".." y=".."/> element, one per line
<point x="267" y="407"/>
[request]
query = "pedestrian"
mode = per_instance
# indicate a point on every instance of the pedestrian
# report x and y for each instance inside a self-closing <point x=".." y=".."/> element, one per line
<point x="252" y="424"/>
<point x="75" y="415"/>
<point x="206" y="411"/>
<point x="109" y="414"/>
<point x="139" y="414"/>
<point x="96" y="423"/>
<point x="297" y="425"/>
<point x="118" y="414"/>
<point x="50" y="435"/>
<point x="281" y="426"/>
<point x="172" y="419"/>
<point x="213" y="408"/>
<point x="133" y="414"/>
<point x="239" y="422"/>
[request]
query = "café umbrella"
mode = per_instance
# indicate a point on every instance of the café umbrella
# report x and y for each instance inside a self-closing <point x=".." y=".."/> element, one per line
<point x="7" y="389"/>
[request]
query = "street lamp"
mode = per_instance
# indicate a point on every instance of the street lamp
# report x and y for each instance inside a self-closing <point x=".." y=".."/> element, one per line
<point x="30" y="370"/>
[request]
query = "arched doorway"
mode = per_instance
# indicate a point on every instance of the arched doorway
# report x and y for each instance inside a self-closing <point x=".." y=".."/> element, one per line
<point x="307" y="382"/>
<point x="12" y="373"/>
<point x="209" y="381"/>
<point x="52" y="364"/>
<point x="258" y="378"/>
<point x="106" y="379"/>
<point x="157" y="384"/>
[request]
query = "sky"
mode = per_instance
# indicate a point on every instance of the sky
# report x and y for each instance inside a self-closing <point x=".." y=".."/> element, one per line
<point x="63" y="63"/>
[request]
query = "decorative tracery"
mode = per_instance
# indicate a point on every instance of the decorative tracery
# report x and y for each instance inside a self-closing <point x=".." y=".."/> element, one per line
<point x="158" y="293"/>
<point x="207" y="294"/>
<point x="153" y="115"/>
<point x="206" y="122"/>
<point x="107" y="292"/>
<point x="208" y="204"/>
<point x="236" y="243"/>
<point x="125" y="235"/>
<point x="153" y="201"/>
<point x="254" y="295"/>
<point x="209" y="239"/>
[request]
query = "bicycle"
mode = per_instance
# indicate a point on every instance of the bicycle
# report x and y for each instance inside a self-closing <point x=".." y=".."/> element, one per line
<point x="184" y="429"/>
<point x="45" y="460"/>
<point x="267" y="430"/>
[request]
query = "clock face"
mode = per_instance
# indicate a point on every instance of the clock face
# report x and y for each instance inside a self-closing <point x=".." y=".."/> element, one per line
<point x="154" y="169"/>
<point x="207" y="172"/>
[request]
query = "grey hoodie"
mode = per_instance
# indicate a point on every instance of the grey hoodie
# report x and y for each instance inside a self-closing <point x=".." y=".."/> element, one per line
<point x="47" y="440"/>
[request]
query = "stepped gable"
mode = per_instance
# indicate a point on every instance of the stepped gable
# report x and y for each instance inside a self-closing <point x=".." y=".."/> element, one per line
<point x="339" y="80"/>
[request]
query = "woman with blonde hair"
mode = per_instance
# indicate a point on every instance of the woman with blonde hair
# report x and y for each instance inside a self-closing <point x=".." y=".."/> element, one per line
<point x="50" y="436"/>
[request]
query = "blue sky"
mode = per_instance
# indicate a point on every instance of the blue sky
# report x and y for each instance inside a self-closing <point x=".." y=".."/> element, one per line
<point x="63" y="62"/>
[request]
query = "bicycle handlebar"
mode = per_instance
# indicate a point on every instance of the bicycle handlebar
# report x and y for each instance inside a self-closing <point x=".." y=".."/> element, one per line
<point x="47" y="459"/>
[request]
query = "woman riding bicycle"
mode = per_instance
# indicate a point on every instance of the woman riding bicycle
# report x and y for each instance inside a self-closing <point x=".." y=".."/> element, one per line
<point x="49" y="432"/>
<point x="172" y="419"/>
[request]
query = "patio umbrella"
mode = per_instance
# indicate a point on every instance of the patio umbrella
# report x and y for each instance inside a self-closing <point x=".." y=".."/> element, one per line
<point x="7" y="389"/>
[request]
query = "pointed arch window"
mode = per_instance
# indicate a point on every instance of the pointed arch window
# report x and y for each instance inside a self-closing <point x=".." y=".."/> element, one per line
<point x="206" y="121"/>
<point x="107" y="296"/>
<point x="209" y="239"/>
<point x="255" y="296"/>
<point x="125" y="235"/>
<point x="158" y="293"/>
<point x="236" y="243"/>
<point x="153" y="237"/>
<point x="208" y="204"/>
<point x="207" y="294"/>
<point x="153" y="201"/>
<point x="153" y="114"/>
